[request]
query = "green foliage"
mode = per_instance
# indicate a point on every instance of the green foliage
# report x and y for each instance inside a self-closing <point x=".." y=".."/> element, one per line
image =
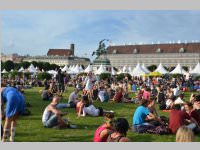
<point x="171" y="68"/>
<point x="8" y="65"/>
<point x="152" y="68"/>
<point x="185" y="68"/>
<point x="197" y="78"/>
<point x="27" y="75"/>
<point x="54" y="67"/>
<point x="46" y="66"/>
<point x="2" y="65"/>
<point x="25" y="64"/>
<point x="177" y="75"/>
<point x="35" y="64"/>
<point x="104" y="76"/>
<point x="16" y="73"/>
<point x="122" y="76"/>
<point x="44" y="75"/>
<point x="82" y="74"/>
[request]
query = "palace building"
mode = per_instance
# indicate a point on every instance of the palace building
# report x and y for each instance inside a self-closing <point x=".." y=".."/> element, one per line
<point x="187" y="54"/>
<point x="60" y="57"/>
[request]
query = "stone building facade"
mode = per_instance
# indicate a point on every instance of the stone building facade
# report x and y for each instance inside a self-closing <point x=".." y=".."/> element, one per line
<point x="187" y="54"/>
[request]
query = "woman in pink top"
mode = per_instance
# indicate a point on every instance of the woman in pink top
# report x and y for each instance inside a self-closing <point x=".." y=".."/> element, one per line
<point x="147" y="94"/>
<point x="102" y="132"/>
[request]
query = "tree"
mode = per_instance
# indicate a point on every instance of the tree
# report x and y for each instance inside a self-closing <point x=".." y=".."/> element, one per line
<point x="2" y="65"/>
<point x="54" y="67"/>
<point x="8" y="65"/>
<point x="46" y="66"/>
<point x="16" y="66"/>
<point x="152" y="68"/>
<point x="40" y="65"/>
<point x="35" y="64"/>
<point x="185" y="68"/>
<point x="25" y="64"/>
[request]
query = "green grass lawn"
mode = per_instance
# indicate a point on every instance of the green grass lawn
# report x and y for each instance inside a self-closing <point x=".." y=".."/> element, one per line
<point x="30" y="128"/>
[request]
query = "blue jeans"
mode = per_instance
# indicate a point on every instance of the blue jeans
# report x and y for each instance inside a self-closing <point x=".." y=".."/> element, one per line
<point x="53" y="121"/>
<point x="62" y="105"/>
<point x="142" y="127"/>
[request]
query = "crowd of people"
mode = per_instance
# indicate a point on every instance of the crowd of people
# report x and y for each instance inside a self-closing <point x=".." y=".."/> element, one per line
<point x="149" y="94"/>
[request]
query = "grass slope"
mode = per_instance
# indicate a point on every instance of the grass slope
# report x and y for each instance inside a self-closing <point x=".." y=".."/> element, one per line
<point x="30" y="128"/>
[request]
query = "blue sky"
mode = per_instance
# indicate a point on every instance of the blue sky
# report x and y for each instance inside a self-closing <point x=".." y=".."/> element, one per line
<point x="34" y="32"/>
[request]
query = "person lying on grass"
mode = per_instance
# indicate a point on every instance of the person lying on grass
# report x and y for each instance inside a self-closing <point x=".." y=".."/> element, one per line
<point x="121" y="127"/>
<point x="85" y="107"/>
<point x="102" y="132"/>
<point x="52" y="117"/>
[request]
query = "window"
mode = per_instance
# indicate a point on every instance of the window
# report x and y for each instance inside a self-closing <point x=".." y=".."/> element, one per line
<point x="181" y="50"/>
<point x="158" y="50"/>
<point x="135" y="51"/>
<point x="114" y="51"/>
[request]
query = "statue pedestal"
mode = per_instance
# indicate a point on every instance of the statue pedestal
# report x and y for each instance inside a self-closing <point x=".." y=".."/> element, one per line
<point x="101" y="61"/>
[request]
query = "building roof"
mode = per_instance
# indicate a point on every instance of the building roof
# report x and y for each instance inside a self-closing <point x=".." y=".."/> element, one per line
<point x="60" y="52"/>
<point x="155" y="48"/>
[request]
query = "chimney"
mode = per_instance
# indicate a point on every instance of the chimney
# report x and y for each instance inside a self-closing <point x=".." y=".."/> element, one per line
<point x="72" y="48"/>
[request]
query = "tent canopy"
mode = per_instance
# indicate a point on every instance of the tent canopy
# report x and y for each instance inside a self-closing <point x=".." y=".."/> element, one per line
<point x="138" y="71"/>
<point x="196" y="69"/>
<point x="145" y="68"/>
<point x="178" y="70"/>
<point x="161" y="69"/>
<point x="101" y="70"/>
<point x="88" y="69"/>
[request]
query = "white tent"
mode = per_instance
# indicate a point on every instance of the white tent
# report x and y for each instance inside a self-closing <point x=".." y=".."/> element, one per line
<point x="52" y="72"/>
<point x="101" y="70"/>
<point x="119" y="71"/>
<point x="81" y="68"/>
<point x="178" y="70"/>
<point x="113" y="72"/>
<point x="88" y="69"/>
<point x="21" y="69"/>
<point x="11" y="70"/>
<point x="76" y="70"/>
<point x="125" y="70"/>
<point x="4" y="71"/>
<point x="161" y="69"/>
<point x="31" y="68"/>
<point x="145" y="68"/>
<point x="196" y="69"/>
<point x="138" y="71"/>
<point x="129" y="69"/>
<point x="65" y="69"/>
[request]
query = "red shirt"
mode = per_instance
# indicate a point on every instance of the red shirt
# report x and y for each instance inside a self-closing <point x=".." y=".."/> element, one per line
<point x="194" y="114"/>
<point x="118" y="97"/>
<point x="176" y="119"/>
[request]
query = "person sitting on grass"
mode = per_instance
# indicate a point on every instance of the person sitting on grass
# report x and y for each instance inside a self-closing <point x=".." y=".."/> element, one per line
<point x="73" y="98"/>
<point x="185" y="134"/>
<point x="118" y="95"/>
<point x="178" y="118"/>
<point x="52" y="117"/>
<point x="45" y="94"/>
<point x="121" y="127"/>
<point x="102" y="132"/>
<point x="139" y="117"/>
